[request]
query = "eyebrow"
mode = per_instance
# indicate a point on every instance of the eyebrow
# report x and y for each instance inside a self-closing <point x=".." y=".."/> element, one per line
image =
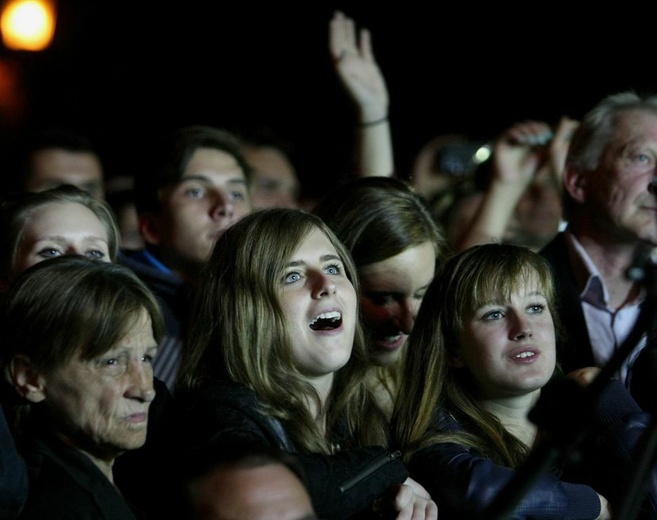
<point x="207" y="180"/>
<point x="322" y="258"/>
<point x="497" y="300"/>
<point x="61" y="238"/>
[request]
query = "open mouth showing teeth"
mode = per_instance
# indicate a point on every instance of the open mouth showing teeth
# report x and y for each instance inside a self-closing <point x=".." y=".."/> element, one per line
<point x="327" y="321"/>
<point x="525" y="355"/>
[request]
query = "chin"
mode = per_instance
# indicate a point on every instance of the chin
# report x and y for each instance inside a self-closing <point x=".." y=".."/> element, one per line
<point x="132" y="440"/>
<point x="384" y="358"/>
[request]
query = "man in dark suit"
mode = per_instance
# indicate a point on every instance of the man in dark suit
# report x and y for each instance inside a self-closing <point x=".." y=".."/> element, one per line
<point x="611" y="209"/>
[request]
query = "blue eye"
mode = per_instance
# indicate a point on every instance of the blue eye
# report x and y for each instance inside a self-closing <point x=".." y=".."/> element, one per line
<point x="49" y="253"/>
<point x="493" y="315"/>
<point x="96" y="255"/>
<point x="195" y="193"/>
<point x="292" y="277"/>
<point x="333" y="269"/>
<point x="537" y="308"/>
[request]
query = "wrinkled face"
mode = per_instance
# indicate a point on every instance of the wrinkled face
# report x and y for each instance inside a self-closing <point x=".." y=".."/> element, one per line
<point x="102" y="404"/>
<point x="319" y="303"/>
<point x="211" y="196"/>
<point x="52" y="167"/>
<point x="256" y="493"/>
<point x="509" y="347"/>
<point x="58" y="229"/>
<point x="391" y="293"/>
<point x="274" y="183"/>
<point x="618" y="196"/>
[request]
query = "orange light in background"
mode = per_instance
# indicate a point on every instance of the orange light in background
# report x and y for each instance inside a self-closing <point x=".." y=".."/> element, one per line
<point x="28" y="25"/>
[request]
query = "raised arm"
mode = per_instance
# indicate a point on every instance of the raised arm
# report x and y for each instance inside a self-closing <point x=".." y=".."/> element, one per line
<point x="363" y="82"/>
<point x="528" y="155"/>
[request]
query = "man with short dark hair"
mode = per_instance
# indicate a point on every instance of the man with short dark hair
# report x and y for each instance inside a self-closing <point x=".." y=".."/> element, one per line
<point x="193" y="184"/>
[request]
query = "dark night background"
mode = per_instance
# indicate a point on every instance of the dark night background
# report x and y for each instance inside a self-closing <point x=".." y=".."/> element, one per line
<point x="125" y="71"/>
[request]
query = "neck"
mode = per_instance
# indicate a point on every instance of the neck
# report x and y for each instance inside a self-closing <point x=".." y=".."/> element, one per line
<point x="323" y="386"/>
<point x="513" y="413"/>
<point x="104" y="462"/>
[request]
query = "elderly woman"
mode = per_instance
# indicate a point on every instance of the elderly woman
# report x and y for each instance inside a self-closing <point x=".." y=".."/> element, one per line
<point x="77" y="340"/>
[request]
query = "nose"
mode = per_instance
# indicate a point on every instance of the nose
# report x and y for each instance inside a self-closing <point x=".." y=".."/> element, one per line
<point x="323" y="286"/>
<point x="222" y="205"/>
<point x="521" y="329"/>
<point x="141" y="382"/>
<point x="404" y="318"/>
<point x="652" y="187"/>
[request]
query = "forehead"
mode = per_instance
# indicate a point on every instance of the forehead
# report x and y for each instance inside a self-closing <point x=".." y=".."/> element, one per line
<point x="271" y="162"/>
<point x="57" y="162"/>
<point x="269" y="491"/>
<point x="315" y="242"/>
<point x="500" y="286"/>
<point x="636" y="125"/>
<point x="394" y="271"/>
<point x="213" y="164"/>
<point x="64" y="216"/>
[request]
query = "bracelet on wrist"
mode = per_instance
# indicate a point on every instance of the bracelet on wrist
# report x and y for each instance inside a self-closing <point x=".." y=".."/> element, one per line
<point x="374" y="123"/>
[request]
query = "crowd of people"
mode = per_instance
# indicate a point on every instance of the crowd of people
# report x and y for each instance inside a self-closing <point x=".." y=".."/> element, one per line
<point x="472" y="339"/>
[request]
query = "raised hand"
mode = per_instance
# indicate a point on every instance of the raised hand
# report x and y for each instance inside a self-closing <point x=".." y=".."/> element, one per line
<point x="357" y="69"/>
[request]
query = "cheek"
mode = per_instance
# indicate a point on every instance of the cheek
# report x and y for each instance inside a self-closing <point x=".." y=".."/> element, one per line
<point x="27" y="260"/>
<point x="373" y="313"/>
<point x="476" y="348"/>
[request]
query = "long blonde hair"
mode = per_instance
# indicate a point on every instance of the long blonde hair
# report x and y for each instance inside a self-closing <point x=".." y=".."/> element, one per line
<point x="467" y="280"/>
<point x="239" y="331"/>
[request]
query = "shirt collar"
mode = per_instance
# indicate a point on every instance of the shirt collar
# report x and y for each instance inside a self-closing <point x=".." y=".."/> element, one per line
<point x="590" y="284"/>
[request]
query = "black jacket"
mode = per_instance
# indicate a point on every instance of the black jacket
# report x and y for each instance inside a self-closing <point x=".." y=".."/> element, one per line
<point x="13" y="474"/>
<point x="575" y="350"/>
<point x="463" y="483"/>
<point x="341" y="486"/>
<point x="145" y="475"/>
<point x="66" y="485"/>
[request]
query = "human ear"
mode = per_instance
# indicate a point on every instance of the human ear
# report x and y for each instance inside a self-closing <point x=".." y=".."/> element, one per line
<point x="26" y="378"/>
<point x="150" y="229"/>
<point x="574" y="182"/>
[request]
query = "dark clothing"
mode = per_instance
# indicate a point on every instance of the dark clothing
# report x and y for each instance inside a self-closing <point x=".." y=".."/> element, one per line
<point x="174" y="296"/>
<point x="13" y="474"/>
<point x="66" y="485"/>
<point x="222" y="411"/>
<point x="463" y="483"/>
<point x="643" y="384"/>
<point x="145" y="475"/>
<point x="575" y="350"/>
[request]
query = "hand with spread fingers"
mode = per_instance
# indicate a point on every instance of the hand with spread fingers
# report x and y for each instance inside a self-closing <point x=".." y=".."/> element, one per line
<point x="357" y="69"/>
<point x="360" y="76"/>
